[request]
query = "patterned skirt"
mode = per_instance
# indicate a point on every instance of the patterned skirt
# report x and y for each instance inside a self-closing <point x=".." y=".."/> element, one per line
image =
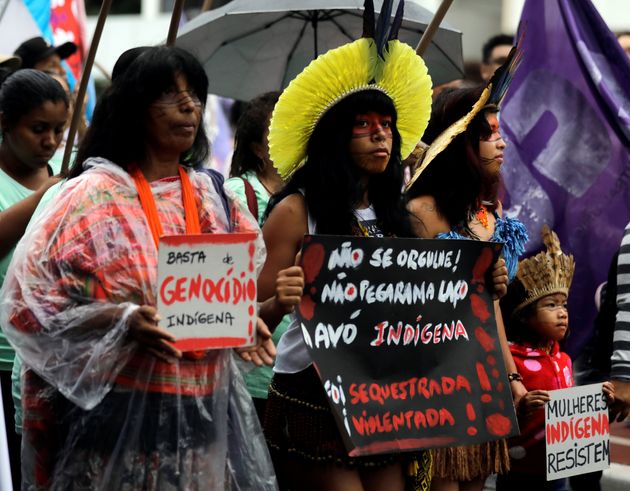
<point x="471" y="462"/>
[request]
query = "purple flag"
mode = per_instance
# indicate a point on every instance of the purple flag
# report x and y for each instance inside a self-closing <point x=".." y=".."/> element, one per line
<point x="567" y="120"/>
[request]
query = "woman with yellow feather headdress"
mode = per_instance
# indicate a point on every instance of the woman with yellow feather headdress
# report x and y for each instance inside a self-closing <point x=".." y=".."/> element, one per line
<point x="337" y="135"/>
<point x="453" y="194"/>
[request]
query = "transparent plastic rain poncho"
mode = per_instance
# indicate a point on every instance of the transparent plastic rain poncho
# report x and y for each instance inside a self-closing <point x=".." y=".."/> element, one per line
<point x="100" y="411"/>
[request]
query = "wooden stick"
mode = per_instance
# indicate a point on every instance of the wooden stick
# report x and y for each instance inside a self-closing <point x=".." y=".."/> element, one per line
<point x="175" y="18"/>
<point x="207" y="5"/>
<point x="85" y="77"/>
<point x="433" y="26"/>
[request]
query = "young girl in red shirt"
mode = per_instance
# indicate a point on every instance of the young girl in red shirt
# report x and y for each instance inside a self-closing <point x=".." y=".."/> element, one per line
<point x="537" y="319"/>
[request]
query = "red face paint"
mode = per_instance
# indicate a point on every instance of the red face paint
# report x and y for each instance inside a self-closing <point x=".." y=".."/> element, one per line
<point x="493" y="121"/>
<point x="366" y="125"/>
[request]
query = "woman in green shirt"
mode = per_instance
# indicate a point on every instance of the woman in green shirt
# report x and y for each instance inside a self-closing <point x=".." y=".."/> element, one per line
<point x="253" y="179"/>
<point x="33" y="114"/>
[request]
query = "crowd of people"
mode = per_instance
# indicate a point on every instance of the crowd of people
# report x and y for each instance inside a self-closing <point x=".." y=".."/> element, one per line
<point x="96" y="395"/>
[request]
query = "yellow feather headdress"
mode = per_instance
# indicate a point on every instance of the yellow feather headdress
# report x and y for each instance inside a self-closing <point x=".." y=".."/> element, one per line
<point x="396" y="70"/>
<point x="547" y="272"/>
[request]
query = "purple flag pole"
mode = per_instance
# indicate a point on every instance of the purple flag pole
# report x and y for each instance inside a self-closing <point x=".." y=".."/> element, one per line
<point x="568" y="157"/>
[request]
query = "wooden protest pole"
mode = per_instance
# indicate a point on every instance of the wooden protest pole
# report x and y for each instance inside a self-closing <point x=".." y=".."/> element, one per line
<point x="175" y="18"/>
<point x="427" y="37"/>
<point x="85" y="77"/>
<point x="207" y="5"/>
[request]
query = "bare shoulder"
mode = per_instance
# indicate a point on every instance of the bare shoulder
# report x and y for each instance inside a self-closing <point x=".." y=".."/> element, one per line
<point x="426" y="220"/>
<point x="288" y="219"/>
<point x="291" y="210"/>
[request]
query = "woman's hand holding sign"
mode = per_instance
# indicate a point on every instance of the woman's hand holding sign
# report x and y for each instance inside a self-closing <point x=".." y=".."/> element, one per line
<point x="532" y="401"/>
<point x="289" y="288"/>
<point x="143" y="327"/>
<point x="499" y="279"/>
<point x="264" y="351"/>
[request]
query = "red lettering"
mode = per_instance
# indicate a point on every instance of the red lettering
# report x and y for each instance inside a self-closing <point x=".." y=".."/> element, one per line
<point x="432" y="417"/>
<point x="460" y="330"/>
<point x="180" y="290"/>
<point x="425" y="335"/>
<point x="448" y="332"/>
<point x="251" y="289"/>
<point x="422" y="387"/>
<point x="483" y="377"/>
<point x="166" y="296"/>
<point x="419" y="419"/>
<point x="462" y="383"/>
<point x="437" y="333"/>
<point x="380" y="327"/>
<point x="434" y="388"/>
<point x="410" y="333"/>
<point x="358" y="394"/>
<point x="398" y="420"/>
<point x="446" y="417"/>
<point x="394" y="389"/>
<point x="393" y="336"/>
<point x="387" y="423"/>
<point x="448" y="385"/>
<point x="194" y="287"/>
<point x="359" y="425"/>
<point x="238" y="291"/>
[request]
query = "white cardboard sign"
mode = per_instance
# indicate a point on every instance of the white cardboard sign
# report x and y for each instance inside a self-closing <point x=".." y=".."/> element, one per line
<point x="577" y="431"/>
<point x="207" y="290"/>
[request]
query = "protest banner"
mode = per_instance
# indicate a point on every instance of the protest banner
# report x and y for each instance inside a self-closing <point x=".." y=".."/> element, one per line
<point x="576" y="431"/>
<point x="207" y="290"/>
<point x="403" y="336"/>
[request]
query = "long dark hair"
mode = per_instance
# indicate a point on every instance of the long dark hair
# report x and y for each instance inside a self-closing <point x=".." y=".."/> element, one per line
<point x="26" y="90"/>
<point x="332" y="184"/>
<point x="250" y="129"/>
<point x="119" y="120"/>
<point x="456" y="178"/>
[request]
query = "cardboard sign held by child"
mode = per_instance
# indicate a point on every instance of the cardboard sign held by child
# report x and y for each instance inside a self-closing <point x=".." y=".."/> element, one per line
<point x="577" y="431"/>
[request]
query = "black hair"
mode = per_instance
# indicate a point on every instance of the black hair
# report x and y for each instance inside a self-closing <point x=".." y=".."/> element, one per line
<point x="492" y="43"/>
<point x="456" y="178"/>
<point x="25" y="90"/>
<point x="126" y="59"/>
<point x="332" y="183"/>
<point x="116" y="132"/>
<point x="250" y="129"/>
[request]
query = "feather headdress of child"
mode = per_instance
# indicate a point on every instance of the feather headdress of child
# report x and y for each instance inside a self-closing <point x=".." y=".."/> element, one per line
<point x="546" y="273"/>
<point x="492" y="96"/>
<point x="376" y="61"/>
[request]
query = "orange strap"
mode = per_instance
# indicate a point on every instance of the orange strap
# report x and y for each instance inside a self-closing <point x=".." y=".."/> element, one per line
<point x="150" y="210"/>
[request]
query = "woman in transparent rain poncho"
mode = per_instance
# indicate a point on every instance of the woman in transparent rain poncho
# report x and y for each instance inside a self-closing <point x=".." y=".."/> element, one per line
<point x="108" y="402"/>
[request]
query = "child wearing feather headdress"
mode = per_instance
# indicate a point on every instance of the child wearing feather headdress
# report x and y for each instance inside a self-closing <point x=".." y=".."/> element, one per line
<point x="535" y="310"/>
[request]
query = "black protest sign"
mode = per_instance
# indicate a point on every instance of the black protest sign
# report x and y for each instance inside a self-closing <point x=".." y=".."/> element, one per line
<point x="403" y="335"/>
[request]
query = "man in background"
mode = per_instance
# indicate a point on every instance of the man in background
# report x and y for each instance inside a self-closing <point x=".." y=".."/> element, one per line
<point x="494" y="53"/>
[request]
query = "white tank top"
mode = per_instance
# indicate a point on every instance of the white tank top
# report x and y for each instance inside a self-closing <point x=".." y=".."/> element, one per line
<point x="292" y="354"/>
